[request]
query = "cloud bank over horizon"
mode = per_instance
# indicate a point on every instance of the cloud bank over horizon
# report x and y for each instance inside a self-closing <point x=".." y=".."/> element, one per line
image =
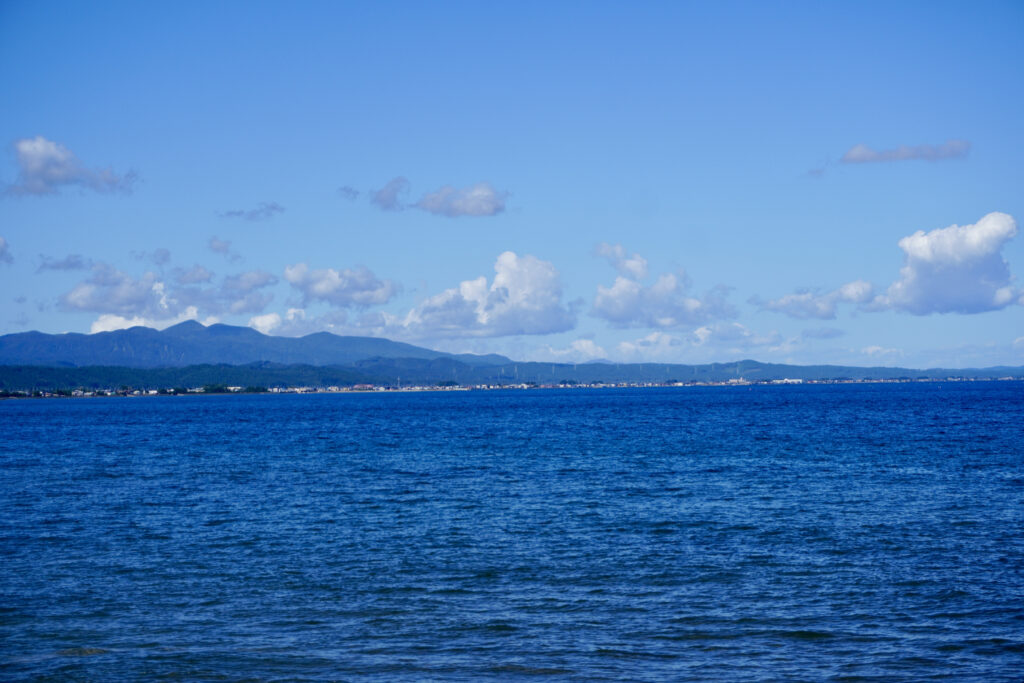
<point x="959" y="269"/>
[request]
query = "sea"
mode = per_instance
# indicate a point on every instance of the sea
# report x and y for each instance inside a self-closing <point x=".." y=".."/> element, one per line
<point x="854" y="532"/>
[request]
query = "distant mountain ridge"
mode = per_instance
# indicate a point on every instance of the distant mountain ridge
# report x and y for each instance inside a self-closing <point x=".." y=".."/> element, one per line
<point x="191" y="343"/>
<point x="189" y="352"/>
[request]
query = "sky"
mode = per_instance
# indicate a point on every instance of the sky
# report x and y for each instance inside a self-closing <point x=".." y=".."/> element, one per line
<point x="567" y="181"/>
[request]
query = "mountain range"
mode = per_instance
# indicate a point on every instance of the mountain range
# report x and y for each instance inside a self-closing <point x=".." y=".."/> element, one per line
<point x="191" y="354"/>
<point x="191" y="343"/>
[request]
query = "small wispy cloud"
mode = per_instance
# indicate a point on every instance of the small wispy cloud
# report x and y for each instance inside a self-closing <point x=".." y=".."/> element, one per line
<point x="5" y="252"/>
<point x="45" y="166"/>
<point x="389" y="197"/>
<point x="223" y="247"/>
<point x="262" y="212"/>
<point x="160" y="256"/>
<point x="478" y="200"/>
<point x="862" y="154"/>
<point x="69" y="262"/>
<point x="811" y="304"/>
<point x="877" y="351"/>
<point x="348" y="192"/>
<point x="194" y="275"/>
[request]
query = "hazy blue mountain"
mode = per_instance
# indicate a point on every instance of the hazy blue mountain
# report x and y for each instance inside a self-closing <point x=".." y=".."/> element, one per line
<point x="190" y="354"/>
<point x="190" y="343"/>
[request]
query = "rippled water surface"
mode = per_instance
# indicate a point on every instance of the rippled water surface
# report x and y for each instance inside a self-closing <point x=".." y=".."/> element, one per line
<point x="795" y="533"/>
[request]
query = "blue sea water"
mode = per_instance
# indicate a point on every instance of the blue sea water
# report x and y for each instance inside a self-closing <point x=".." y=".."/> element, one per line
<point x="850" y="532"/>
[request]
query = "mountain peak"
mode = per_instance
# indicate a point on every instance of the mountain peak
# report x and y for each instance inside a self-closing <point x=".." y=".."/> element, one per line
<point x="186" y="326"/>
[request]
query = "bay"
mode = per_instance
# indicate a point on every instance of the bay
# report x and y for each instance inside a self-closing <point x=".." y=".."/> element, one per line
<point x="815" y="532"/>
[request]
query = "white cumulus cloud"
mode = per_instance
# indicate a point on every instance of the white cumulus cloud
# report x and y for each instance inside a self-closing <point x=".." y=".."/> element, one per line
<point x="634" y="266"/>
<point x="958" y="269"/>
<point x="525" y="297"/>
<point x="877" y="351"/>
<point x="125" y="299"/>
<point x="579" y="350"/>
<point x="109" y="290"/>
<point x="667" y="303"/>
<point x="44" y="167"/>
<point x="109" y="322"/>
<point x="265" y="323"/>
<point x="342" y="288"/>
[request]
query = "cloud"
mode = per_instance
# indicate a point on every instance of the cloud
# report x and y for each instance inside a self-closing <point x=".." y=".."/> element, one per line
<point x="342" y="288"/>
<point x="126" y="299"/>
<point x="734" y="336"/>
<point x="654" y="345"/>
<point x="109" y="322"/>
<point x="248" y="281"/>
<point x="634" y="266"/>
<point x="69" y="262"/>
<point x="389" y="197"/>
<point x="295" y="323"/>
<point x="958" y="269"/>
<point x="5" y="252"/>
<point x="881" y="352"/>
<point x="159" y="256"/>
<point x="712" y="340"/>
<point x="349" y="193"/>
<point x="223" y="247"/>
<point x="109" y="290"/>
<point x="262" y="212"/>
<point x="194" y="275"/>
<point x="236" y="294"/>
<point x="478" y="200"/>
<point x="265" y="323"/>
<point x="862" y="154"/>
<point x="525" y="297"/>
<point x="664" y="304"/>
<point x="44" y="167"/>
<point x="804" y="305"/>
<point x="579" y="350"/>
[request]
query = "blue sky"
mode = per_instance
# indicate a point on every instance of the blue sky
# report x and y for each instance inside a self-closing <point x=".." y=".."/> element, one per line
<point x="677" y="182"/>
